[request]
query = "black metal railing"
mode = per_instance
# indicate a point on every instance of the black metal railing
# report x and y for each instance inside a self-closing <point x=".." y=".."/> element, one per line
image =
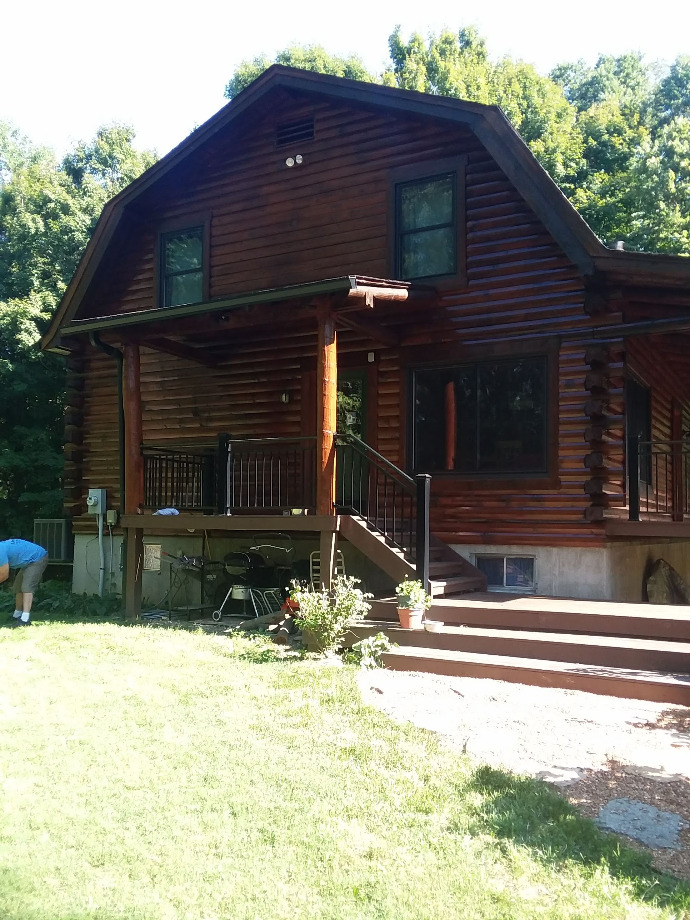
<point x="658" y="478"/>
<point x="267" y="474"/>
<point x="392" y="503"/>
<point x="182" y="478"/>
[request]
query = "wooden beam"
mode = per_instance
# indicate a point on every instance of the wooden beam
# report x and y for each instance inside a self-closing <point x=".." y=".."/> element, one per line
<point x="327" y="394"/>
<point x="451" y="423"/>
<point x="134" y="480"/>
<point x="131" y="397"/>
<point x="170" y="347"/>
<point x="134" y="563"/>
<point x="374" y="330"/>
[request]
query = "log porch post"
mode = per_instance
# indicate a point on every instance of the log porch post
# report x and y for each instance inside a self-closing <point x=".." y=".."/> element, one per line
<point x="134" y="480"/>
<point x="327" y="394"/>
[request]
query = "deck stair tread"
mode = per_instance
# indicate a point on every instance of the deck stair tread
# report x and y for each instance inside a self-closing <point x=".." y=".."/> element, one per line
<point x="540" y="664"/>
<point x="484" y="610"/>
<point x="631" y="683"/>
<point x="526" y="635"/>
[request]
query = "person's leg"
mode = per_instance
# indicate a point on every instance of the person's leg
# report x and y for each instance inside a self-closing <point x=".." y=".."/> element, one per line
<point x="31" y="576"/>
<point x="18" y="596"/>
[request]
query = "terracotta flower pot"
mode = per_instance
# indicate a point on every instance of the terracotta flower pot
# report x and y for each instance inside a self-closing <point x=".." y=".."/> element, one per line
<point x="411" y="617"/>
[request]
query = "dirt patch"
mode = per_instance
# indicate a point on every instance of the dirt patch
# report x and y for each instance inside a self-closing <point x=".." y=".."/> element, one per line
<point x="591" y="748"/>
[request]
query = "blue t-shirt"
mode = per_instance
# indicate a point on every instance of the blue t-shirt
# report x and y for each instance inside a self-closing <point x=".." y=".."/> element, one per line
<point x="20" y="553"/>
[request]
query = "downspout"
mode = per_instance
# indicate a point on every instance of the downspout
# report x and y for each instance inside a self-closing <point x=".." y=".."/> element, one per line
<point x="117" y="354"/>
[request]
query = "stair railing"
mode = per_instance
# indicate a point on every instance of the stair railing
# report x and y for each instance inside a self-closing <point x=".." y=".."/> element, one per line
<point x="658" y="478"/>
<point x="393" y="504"/>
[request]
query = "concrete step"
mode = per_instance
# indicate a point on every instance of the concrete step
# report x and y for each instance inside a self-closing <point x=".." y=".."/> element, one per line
<point x="636" y="684"/>
<point x="537" y="614"/>
<point x="604" y="651"/>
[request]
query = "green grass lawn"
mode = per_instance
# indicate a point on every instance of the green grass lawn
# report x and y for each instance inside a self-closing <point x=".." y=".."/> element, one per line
<point x="164" y="774"/>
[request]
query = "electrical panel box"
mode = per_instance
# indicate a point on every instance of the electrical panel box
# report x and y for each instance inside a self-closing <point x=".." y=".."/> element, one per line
<point x="95" y="501"/>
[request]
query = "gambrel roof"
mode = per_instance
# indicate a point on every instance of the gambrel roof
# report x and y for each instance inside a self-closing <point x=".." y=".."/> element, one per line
<point x="488" y="123"/>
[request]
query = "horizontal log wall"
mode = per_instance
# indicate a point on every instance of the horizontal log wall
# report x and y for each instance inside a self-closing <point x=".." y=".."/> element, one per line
<point x="272" y="226"/>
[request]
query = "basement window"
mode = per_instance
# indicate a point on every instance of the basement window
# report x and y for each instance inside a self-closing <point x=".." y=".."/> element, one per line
<point x="507" y="573"/>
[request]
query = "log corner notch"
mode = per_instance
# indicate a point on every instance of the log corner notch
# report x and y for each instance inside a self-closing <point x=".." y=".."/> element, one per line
<point x="605" y="430"/>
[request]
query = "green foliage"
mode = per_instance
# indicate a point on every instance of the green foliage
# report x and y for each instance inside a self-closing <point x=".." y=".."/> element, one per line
<point x="47" y="213"/>
<point x="304" y="57"/>
<point x="411" y="594"/>
<point x="55" y="601"/>
<point x="367" y="653"/>
<point x="329" y="614"/>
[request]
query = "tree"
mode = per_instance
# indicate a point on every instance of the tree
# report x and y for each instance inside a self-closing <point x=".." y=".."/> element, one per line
<point x="47" y="213"/>
<point x="304" y="57"/>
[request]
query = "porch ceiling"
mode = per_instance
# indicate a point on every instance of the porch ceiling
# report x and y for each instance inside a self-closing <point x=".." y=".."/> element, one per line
<point x="189" y="330"/>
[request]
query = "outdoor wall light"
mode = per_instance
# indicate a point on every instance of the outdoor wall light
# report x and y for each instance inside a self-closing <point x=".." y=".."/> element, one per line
<point x="285" y="397"/>
<point x="294" y="161"/>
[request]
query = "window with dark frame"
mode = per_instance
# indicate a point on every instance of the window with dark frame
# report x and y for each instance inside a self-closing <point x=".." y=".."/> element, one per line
<point x="487" y="418"/>
<point x="182" y="267"/>
<point x="507" y="573"/>
<point x="426" y="218"/>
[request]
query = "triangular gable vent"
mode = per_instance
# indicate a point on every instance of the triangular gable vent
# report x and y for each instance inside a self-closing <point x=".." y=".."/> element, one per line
<point x="294" y="132"/>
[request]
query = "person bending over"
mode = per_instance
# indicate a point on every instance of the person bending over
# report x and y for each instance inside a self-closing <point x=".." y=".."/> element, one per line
<point x="30" y="560"/>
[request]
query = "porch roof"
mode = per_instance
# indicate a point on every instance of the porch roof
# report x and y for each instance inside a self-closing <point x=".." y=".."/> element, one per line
<point x="347" y="294"/>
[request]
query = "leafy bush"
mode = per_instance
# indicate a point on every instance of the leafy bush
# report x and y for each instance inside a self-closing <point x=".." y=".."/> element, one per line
<point x="55" y="600"/>
<point x="412" y="594"/>
<point x="329" y="614"/>
<point x="368" y="652"/>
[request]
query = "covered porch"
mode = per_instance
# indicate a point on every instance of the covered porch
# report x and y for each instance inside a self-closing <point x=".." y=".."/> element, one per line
<point x="305" y="480"/>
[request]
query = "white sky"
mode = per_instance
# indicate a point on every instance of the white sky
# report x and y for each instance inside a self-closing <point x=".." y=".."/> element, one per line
<point x="67" y="67"/>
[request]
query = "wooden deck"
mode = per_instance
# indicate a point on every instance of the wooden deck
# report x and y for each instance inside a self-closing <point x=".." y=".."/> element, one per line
<point x="639" y="651"/>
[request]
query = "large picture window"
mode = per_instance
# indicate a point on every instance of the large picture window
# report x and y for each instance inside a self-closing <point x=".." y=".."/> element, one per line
<point x="485" y="418"/>
<point x="182" y="267"/>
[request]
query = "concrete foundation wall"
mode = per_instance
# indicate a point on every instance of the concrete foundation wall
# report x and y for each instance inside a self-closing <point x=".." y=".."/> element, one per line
<point x="558" y="572"/>
<point x="630" y="564"/>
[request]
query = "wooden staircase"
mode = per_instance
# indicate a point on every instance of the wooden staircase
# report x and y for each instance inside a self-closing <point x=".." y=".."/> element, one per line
<point x="449" y="573"/>
<point x="637" y="651"/>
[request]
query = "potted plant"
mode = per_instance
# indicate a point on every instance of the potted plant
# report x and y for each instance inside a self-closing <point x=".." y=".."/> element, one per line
<point x="413" y="600"/>
<point x="325" y="616"/>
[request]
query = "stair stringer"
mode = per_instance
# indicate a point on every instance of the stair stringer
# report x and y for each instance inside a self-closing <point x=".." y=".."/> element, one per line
<point x="389" y="559"/>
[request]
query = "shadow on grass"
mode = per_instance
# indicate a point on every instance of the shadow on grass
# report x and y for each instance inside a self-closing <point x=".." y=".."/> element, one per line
<point x="529" y="814"/>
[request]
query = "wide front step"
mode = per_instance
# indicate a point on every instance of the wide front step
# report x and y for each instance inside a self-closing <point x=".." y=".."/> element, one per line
<point x="620" y="682"/>
<point x="537" y="614"/>
<point x="604" y="651"/>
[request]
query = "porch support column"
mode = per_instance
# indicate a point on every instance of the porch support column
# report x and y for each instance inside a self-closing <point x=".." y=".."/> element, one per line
<point x="327" y="394"/>
<point x="134" y="480"/>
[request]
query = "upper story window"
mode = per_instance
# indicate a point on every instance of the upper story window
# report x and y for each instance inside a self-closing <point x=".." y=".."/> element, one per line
<point x="427" y="227"/>
<point x="483" y="419"/>
<point x="182" y="267"/>
<point x="427" y="221"/>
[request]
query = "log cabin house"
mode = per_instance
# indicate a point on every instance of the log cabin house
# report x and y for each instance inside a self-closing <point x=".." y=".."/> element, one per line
<point x="374" y="307"/>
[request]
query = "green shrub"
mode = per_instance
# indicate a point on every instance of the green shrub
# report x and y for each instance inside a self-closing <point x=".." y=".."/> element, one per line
<point x="368" y="652"/>
<point x="328" y="614"/>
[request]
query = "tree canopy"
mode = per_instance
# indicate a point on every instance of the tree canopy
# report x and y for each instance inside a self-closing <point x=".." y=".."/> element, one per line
<point x="48" y="210"/>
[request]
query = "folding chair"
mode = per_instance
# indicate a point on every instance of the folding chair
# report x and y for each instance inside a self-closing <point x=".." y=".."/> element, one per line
<point x="315" y="567"/>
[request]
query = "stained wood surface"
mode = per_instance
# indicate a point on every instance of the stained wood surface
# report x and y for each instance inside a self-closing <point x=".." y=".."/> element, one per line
<point x="271" y="226"/>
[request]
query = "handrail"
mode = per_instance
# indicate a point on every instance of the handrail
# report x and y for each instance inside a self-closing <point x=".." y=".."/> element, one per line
<point x="391" y="502"/>
<point x="658" y="477"/>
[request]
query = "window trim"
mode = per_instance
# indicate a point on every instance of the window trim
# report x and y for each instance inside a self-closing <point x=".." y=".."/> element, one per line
<point x="191" y="222"/>
<point x="447" y="481"/>
<point x="504" y="588"/>
<point x="431" y="169"/>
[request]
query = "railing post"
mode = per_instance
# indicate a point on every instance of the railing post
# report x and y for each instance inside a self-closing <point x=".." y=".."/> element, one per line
<point x="222" y="461"/>
<point x="423" y="497"/>
<point x="633" y="445"/>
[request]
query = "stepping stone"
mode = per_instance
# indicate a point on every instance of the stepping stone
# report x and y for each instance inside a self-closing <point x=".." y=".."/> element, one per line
<point x="656" y="829"/>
